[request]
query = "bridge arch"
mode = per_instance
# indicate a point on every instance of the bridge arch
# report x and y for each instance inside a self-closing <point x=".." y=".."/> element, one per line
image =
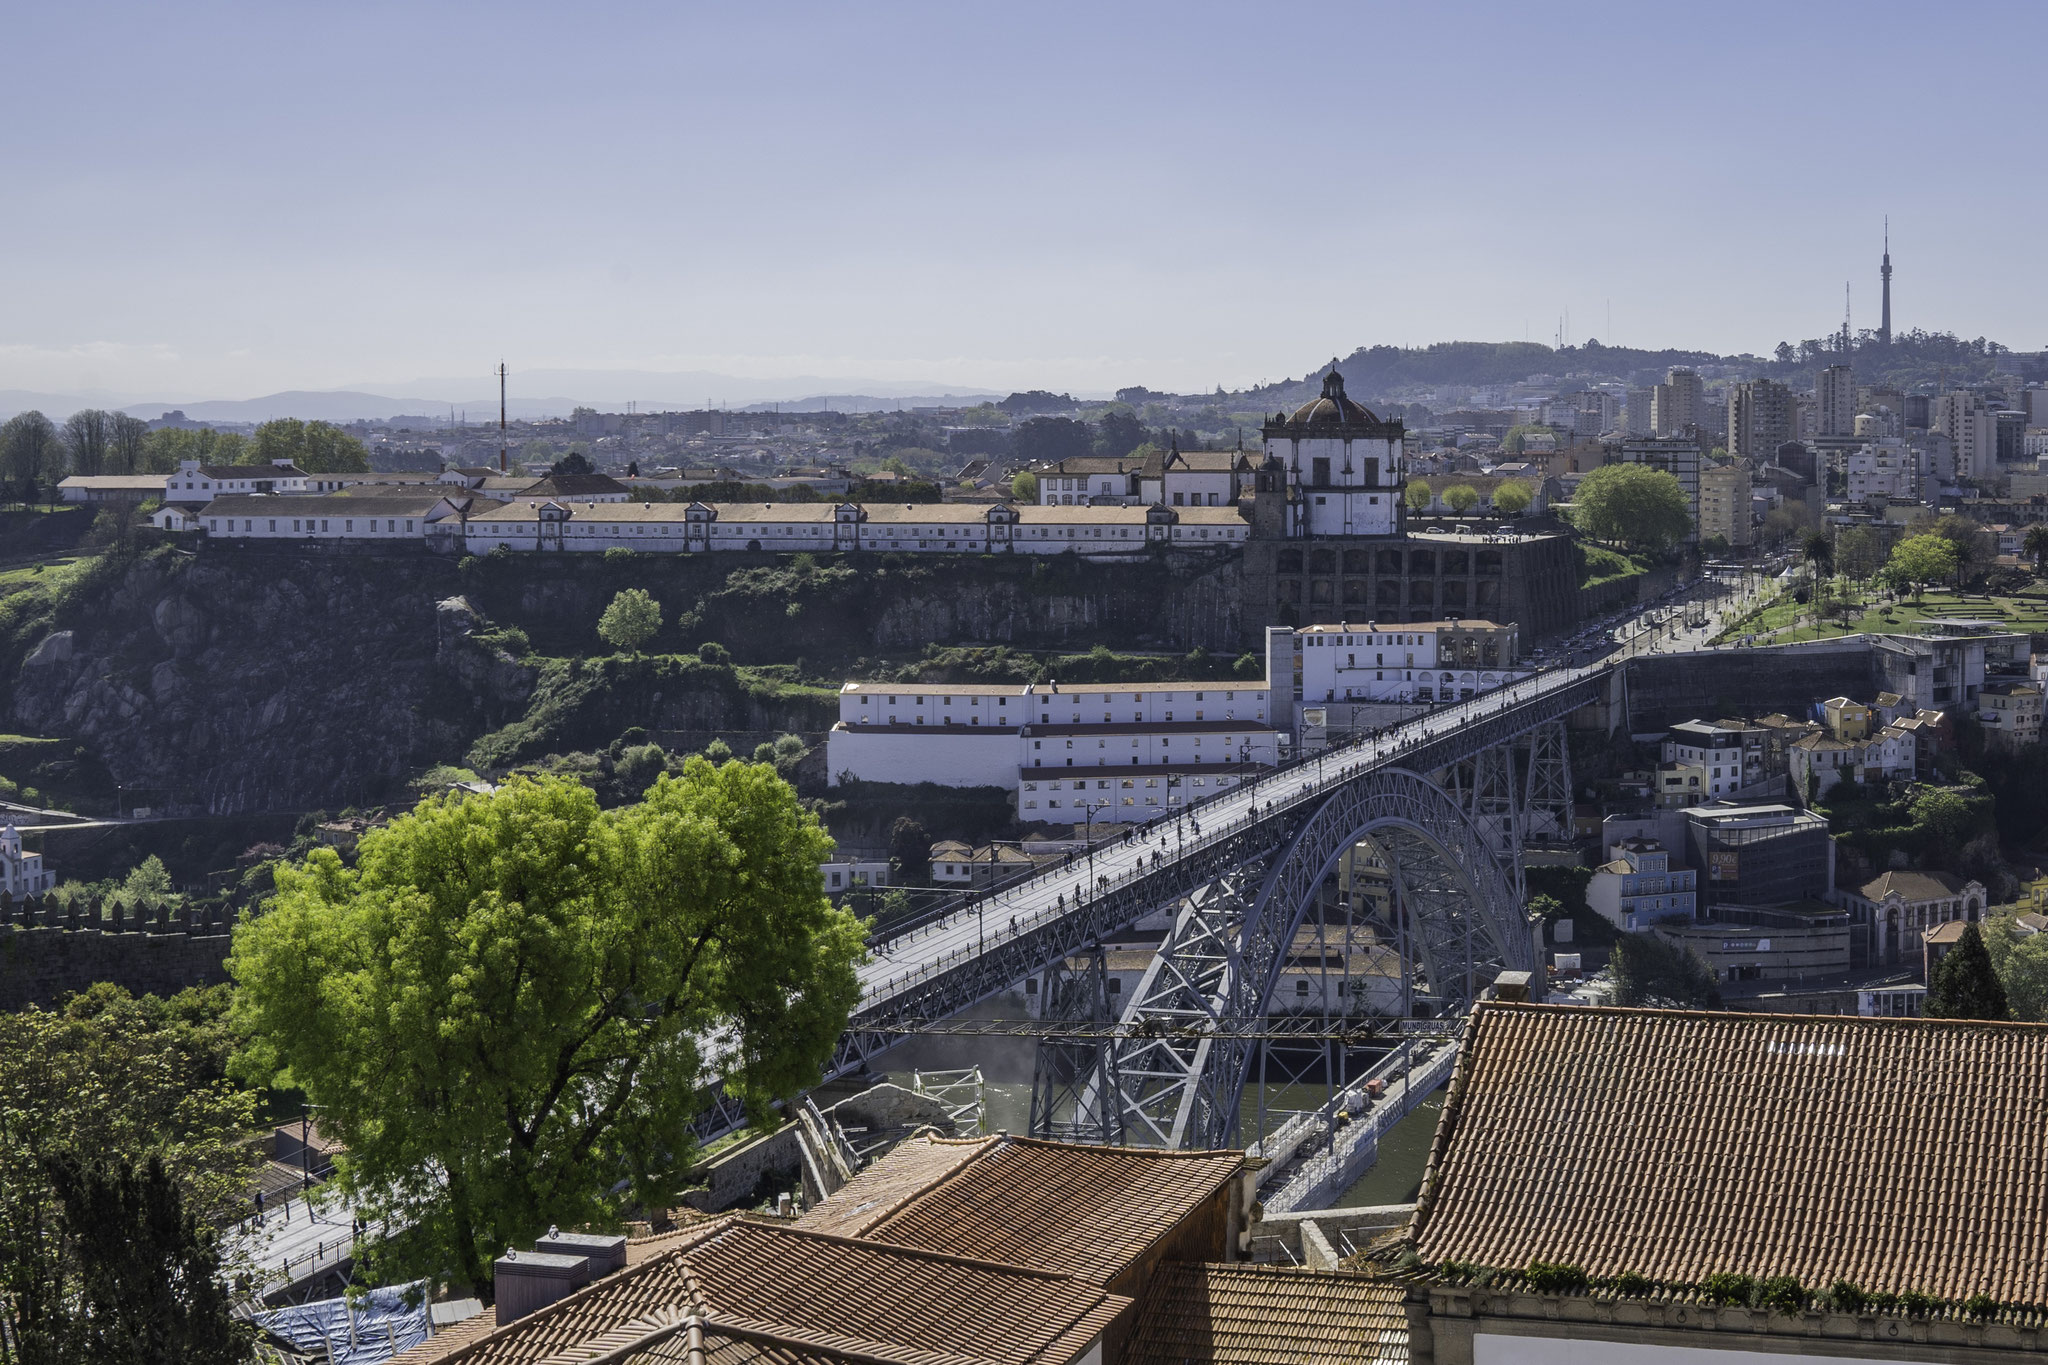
<point x="1177" y="1072"/>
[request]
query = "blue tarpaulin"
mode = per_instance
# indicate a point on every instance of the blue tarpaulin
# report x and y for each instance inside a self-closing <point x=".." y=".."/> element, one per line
<point x="376" y="1327"/>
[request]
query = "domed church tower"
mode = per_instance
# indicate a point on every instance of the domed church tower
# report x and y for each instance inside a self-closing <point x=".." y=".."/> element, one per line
<point x="1343" y="462"/>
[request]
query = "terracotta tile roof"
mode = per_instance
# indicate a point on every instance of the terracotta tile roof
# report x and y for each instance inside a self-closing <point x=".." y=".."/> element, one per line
<point x="1198" y="1314"/>
<point x="1895" y="1154"/>
<point x="1913" y="886"/>
<point x="1088" y="1211"/>
<point x="910" y="1170"/>
<point x="810" y="1297"/>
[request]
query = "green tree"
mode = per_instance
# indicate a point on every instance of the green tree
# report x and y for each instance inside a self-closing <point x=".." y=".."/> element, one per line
<point x="1859" y="553"/>
<point x="127" y="442"/>
<point x="1632" y="505"/>
<point x="150" y="1287"/>
<point x="1024" y="486"/>
<point x="630" y="621"/>
<point x="521" y="992"/>
<point x="165" y="447"/>
<point x="910" y="848"/>
<point x="1919" y="560"/>
<point x="1512" y="498"/>
<point x="575" y="462"/>
<point x="86" y="434"/>
<point x="1461" y="497"/>
<point x="315" y="447"/>
<point x="2036" y="546"/>
<point x="2021" y="961"/>
<point x="1965" y="986"/>
<point x="1818" y="552"/>
<point x="28" y="448"/>
<point x="109" y="1082"/>
<point x="1650" y="971"/>
<point x="1118" y="433"/>
<point x="148" y="885"/>
<point x="1417" y="495"/>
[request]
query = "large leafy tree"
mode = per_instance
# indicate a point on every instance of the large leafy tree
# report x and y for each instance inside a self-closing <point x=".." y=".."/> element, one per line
<point x="1512" y="498"/>
<point x="127" y="444"/>
<point x="1461" y="497"/>
<point x="315" y="447"/>
<point x="115" y="1099"/>
<point x="86" y="436"/>
<point x="510" y="1008"/>
<point x="1633" y="505"/>
<point x="1919" y="560"/>
<point x="28" y="447"/>
<point x="2021" y="960"/>
<point x="163" y="448"/>
<point x="1965" y="986"/>
<point x="1648" y="970"/>
<point x="1046" y="439"/>
<point x="631" y="620"/>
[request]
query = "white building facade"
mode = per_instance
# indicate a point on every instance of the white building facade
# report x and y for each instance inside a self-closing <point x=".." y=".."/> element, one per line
<point x="198" y="484"/>
<point x="1345" y="463"/>
<point x="1119" y="751"/>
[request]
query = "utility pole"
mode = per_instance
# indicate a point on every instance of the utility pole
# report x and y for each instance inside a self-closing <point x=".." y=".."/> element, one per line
<point x="501" y="417"/>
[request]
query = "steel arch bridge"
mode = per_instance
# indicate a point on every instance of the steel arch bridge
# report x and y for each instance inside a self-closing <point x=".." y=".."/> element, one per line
<point x="1175" y="1075"/>
<point x="1445" y="801"/>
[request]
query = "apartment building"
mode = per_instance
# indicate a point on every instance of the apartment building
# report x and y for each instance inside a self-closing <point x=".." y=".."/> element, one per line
<point x="1677" y="404"/>
<point x="1834" y="393"/>
<point x="1760" y="419"/>
<point x="1638" y="887"/>
<point x="1340" y="679"/>
<point x="1725" y="509"/>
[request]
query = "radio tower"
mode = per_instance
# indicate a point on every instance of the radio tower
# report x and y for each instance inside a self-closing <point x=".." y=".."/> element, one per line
<point x="501" y="417"/>
<point x="1884" y="327"/>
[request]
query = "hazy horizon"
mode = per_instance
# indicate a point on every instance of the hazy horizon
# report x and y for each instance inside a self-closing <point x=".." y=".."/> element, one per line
<point x="243" y="200"/>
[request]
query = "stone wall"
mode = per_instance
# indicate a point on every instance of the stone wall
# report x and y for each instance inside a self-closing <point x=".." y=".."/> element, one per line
<point x="1531" y="581"/>
<point x="1665" y="689"/>
<point x="41" y="966"/>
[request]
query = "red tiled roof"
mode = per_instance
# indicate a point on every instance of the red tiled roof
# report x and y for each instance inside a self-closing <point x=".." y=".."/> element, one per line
<point x="809" y="1296"/>
<point x="1895" y="1154"/>
<point x="1199" y="1314"/>
<point x="1088" y="1211"/>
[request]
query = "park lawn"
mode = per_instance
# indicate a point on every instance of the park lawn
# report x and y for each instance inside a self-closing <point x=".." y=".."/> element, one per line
<point x="32" y="575"/>
<point x="1787" y="622"/>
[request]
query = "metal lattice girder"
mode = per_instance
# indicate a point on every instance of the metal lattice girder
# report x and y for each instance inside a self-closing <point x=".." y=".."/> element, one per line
<point x="1072" y="1074"/>
<point x="1230" y="945"/>
<point x="1496" y="803"/>
<point x="1547" y="799"/>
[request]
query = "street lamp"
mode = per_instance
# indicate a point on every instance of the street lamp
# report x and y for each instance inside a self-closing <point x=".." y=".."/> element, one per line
<point x="1088" y="809"/>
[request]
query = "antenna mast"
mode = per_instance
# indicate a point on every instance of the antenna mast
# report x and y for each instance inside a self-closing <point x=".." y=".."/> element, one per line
<point x="501" y="417"/>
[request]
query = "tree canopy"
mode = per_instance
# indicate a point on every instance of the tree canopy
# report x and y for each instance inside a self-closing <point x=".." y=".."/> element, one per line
<point x="1461" y="497"/>
<point x="509" y="1008"/>
<point x="1919" y="560"/>
<point x="1048" y="439"/>
<point x="1512" y="498"/>
<point x="1632" y="505"/>
<point x="631" y="620"/>
<point x="118" y="1103"/>
<point x="1024" y="486"/>
<point x="1650" y="971"/>
<point x="315" y="447"/>
<point x="2021" y="961"/>
<point x="1965" y="986"/>
<point x="1417" y="495"/>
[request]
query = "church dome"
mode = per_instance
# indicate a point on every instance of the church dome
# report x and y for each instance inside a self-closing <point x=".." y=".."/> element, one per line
<point x="1332" y="409"/>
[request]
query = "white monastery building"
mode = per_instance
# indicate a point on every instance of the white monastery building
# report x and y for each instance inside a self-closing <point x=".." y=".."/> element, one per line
<point x="1345" y="462"/>
<point x="21" y="873"/>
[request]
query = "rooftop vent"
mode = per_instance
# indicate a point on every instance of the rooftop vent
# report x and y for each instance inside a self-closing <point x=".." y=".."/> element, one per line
<point x="527" y="1281"/>
<point x="605" y="1254"/>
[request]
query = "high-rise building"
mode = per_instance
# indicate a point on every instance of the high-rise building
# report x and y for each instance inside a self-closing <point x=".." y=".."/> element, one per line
<point x="1966" y="420"/>
<point x="1640" y="418"/>
<point x="2012" y="431"/>
<point x="2036" y="399"/>
<point x="1760" y="415"/>
<point x="1725" y="504"/>
<point x="1835" y="392"/>
<point x="1676" y="403"/>
<point x="1678" y="457"/>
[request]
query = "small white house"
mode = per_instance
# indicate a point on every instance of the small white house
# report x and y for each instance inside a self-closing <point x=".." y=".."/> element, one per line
<point x="21" y="873"/>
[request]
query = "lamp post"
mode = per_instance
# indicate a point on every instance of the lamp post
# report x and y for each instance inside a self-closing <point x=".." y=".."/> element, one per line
<point x="1088" y="809"/>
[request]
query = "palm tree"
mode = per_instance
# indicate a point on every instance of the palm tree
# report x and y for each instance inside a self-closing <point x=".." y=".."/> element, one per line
<point x="1819" y="553"/>
<point x="2036" y="546"/>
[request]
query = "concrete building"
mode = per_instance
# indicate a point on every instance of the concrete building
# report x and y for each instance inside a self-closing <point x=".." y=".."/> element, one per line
<point x="1889" y="467"/>
<point x="1528" y="578"/>
<point x="1834" y="393"/>
<point x="111" y="488"/>
<point x="1759" y="855"/>
<point x="1123" y="752"/>
<point x="363" y="515"/>
<point x="1343" y="466"/>
<point x="1900" y="908"/>
<point x="1638" y="887"/>
<point x="1399" y="663"/>
<point x="2010" y="714"/>
<point x="1944" y="672"/>
<point x="1725" y="504"/>
<point x="1639" y="415"/>
<point x="1193" y="478"/>
<point x="1966" y="420"/>
<point x="1709" y="761"/>
<point x="1760" y="419"/>
<point x="1818" y="762"/>
<point x="21" y="873"/>
<point x="1089" y="480"/>
<point x="1677" y="404"/>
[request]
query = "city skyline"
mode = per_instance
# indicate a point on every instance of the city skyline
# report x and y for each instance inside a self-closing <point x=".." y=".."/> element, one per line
<point x="1075" y="199"/>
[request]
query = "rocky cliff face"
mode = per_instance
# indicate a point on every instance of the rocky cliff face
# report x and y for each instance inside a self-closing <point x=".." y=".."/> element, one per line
<point x="229" y="684"/>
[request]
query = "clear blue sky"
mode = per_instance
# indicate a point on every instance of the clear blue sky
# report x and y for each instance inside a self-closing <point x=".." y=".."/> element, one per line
<point x="223" y="200"/>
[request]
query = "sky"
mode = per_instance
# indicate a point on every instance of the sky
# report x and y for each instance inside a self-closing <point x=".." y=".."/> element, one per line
<point x="221" y="201"/>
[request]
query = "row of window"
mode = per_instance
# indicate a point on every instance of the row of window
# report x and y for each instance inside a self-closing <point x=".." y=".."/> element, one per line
<point x="309" y="524"/>
<point x="1129" y="783"/>
<point x="1073" y="698"/>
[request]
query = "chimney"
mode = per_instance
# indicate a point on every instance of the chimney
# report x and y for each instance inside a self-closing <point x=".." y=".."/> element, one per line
<point x="527" y="1281"/>
<point x="605" y="1254"/>
<point x="1512" y="987"/>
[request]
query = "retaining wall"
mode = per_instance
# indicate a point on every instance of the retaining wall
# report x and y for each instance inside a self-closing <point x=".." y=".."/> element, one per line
<point x="41" y="966"/>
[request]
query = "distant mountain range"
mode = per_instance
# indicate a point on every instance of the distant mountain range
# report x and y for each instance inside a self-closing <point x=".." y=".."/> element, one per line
<point x="530" y="394"/>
